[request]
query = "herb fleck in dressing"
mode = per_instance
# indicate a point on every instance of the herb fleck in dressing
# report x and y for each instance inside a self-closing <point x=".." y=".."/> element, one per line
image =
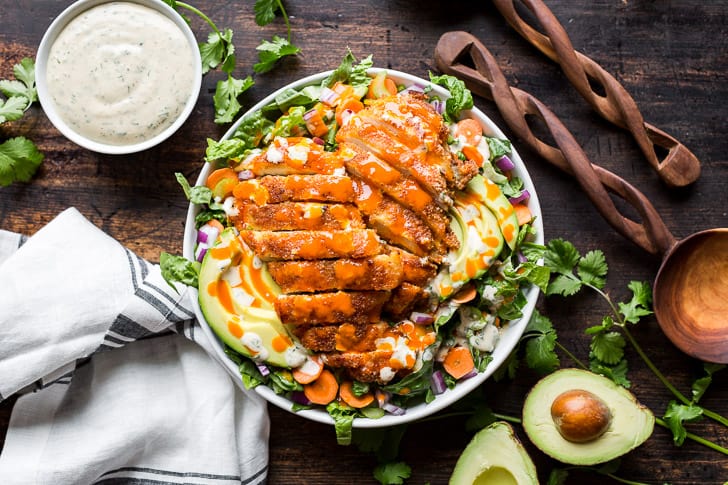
<point x="120" y="73"/>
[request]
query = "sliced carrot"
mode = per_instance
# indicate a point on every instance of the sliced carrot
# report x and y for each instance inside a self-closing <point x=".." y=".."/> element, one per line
<point x="465" y="294"/>
<point x="473" y="154"/>
<point x="309" y="371"/>
<point x="523" y="214"/>
<point x="218" y="175"/>
<point x="350" y="103"/>
<point x="458" y="362"/>
<point x="469" y="130"/>
<point x="381" y="86"/>
<point x="323" y="390"/>
<point x="315" y="123"/>
<point x="346" y="393"/>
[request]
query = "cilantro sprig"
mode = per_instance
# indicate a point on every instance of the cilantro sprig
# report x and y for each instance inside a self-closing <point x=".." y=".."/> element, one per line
<point x="219" y="52"/>
<point x="572" y="272"/>
<point x="19" y="157"/>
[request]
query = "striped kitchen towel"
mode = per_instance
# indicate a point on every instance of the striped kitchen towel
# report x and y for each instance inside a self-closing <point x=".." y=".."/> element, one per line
<point x="116" y="384"/>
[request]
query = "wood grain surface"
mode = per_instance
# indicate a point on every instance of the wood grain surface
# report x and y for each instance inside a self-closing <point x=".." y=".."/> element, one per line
<point x="671" y="56"/>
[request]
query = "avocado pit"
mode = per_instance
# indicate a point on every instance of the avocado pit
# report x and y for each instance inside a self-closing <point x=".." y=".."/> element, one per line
<point x="580" y="416"/>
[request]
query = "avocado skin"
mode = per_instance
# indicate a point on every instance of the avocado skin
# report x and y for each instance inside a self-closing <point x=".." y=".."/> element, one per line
<point x="630" y="426"/>
<point x="494" y="456"/>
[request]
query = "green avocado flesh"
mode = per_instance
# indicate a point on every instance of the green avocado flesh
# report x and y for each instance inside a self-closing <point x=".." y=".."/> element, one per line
<point x="630" y="425"/>
<point x="494" y="457"/>
<point x="481" y="219"/>
<point x="235" y="299"/>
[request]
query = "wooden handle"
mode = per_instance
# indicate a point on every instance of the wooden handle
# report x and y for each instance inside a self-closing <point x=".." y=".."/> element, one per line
<point x="680" y="167"/>
<point x="456" y="51"/>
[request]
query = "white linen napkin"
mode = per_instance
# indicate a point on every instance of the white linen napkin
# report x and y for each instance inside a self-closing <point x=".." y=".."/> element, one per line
<point x="120" y="386"/>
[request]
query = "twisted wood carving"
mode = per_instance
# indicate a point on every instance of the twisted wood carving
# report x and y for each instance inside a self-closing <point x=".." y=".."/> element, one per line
<point x="680" y="167"/>
<point x="457" y="51"/>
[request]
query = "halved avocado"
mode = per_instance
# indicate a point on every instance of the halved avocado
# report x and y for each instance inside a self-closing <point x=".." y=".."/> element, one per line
<point x="236" y="295"/>
<point x="494" y="457"/>
<point x="582" y="418"/>
<point x="490" y="194"/>
<point x="481" y="242"/>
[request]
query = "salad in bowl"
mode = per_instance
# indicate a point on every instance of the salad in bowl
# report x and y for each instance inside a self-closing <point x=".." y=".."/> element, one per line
<point x="367" y="246"/>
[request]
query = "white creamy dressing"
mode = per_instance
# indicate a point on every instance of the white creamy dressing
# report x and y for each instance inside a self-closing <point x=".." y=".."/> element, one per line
<point x="120" y="73"/>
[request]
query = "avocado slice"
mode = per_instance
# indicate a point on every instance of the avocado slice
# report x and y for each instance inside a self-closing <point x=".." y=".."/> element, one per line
<point x="495" y="457"/>
<point x="490" y="195"/>
<point x="236" y="295"/>
<point x="481" y="241"/>
<point x="582" y="418"/>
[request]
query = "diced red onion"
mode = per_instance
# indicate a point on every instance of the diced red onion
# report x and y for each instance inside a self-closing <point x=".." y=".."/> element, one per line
<point x="245" y="175"/>
<point x="415" y="88"/>
<point x="310" y="114"/>
<point x="505" y="164"/>
<point x="382" y="397"/>
<point x="437" y="382"/>
<point x="328" y="96"/>
<point x="438" y="105"/>
<point x="525" y="195"/>
<point x="521" y="257"/>
<point x="345" y="115"/>
<point x="300" y="398"/>
<point x="319" y="141"/>
<point x="200" y="252"/>
<point x="392" y="409"/>
<point x="420" y="318"/>
<point x="264" y="370"/>
<point x="470" y="374"/>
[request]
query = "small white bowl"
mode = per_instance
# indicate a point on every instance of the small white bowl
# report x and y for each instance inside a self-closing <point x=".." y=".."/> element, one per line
<point x="508" y="338"/>
<point x="50" y="108"/>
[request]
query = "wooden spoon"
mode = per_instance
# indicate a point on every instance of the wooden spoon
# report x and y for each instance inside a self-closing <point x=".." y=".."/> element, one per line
<point x="691" y="288"/>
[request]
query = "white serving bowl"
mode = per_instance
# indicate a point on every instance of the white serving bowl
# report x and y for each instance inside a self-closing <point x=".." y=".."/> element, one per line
<point x="50" y="108"/>
<point x="509" y="336"/>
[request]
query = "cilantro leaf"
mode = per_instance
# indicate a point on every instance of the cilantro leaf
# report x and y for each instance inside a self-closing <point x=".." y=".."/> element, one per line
<point x="24" y="85"/>
<point x="270" y="52"/>
<point x="460" y="97"/>
<point x="592" y="269"/>
<point x="217" y="50"/>
<point x="639" y="305"/>
<point x="561" y="256"/>
<point x="540" y="338"/>
<point x="178" y="269"/>
<point x="701" y="385"/>
<point x="13" y="108"/>
<point x="608" y="347"/>
<point x="392" y="473"/>
<point x="265" y="11"/>
<point x="617" y="373"/>
<point x="19" y="160"/>
<point x="226" y="98"/>
<point x="563" y="285"/>
<point x="677" y="414"/>
<point x="558" y="476"/>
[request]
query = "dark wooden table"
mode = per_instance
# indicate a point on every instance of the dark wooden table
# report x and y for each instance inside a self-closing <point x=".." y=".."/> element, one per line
<point x="671" y="56"/>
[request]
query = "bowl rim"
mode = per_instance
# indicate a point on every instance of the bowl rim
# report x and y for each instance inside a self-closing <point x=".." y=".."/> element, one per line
<point x="508" y="337"/>
<point x="46" y="101"/>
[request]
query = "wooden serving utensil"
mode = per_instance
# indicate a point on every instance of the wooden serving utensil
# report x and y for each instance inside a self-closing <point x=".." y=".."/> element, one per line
<point x="680" y="167"/>
<point x="691" y="288"/>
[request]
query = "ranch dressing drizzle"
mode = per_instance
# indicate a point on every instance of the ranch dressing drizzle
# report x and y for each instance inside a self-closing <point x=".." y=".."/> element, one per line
<point x="120" y="73"/>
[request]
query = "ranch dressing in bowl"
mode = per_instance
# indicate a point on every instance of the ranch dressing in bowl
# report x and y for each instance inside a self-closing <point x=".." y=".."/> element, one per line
<point x="121" y="73"/>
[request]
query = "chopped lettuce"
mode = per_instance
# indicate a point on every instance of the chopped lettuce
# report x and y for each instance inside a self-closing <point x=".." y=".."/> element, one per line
<point x="460" y="97"/>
